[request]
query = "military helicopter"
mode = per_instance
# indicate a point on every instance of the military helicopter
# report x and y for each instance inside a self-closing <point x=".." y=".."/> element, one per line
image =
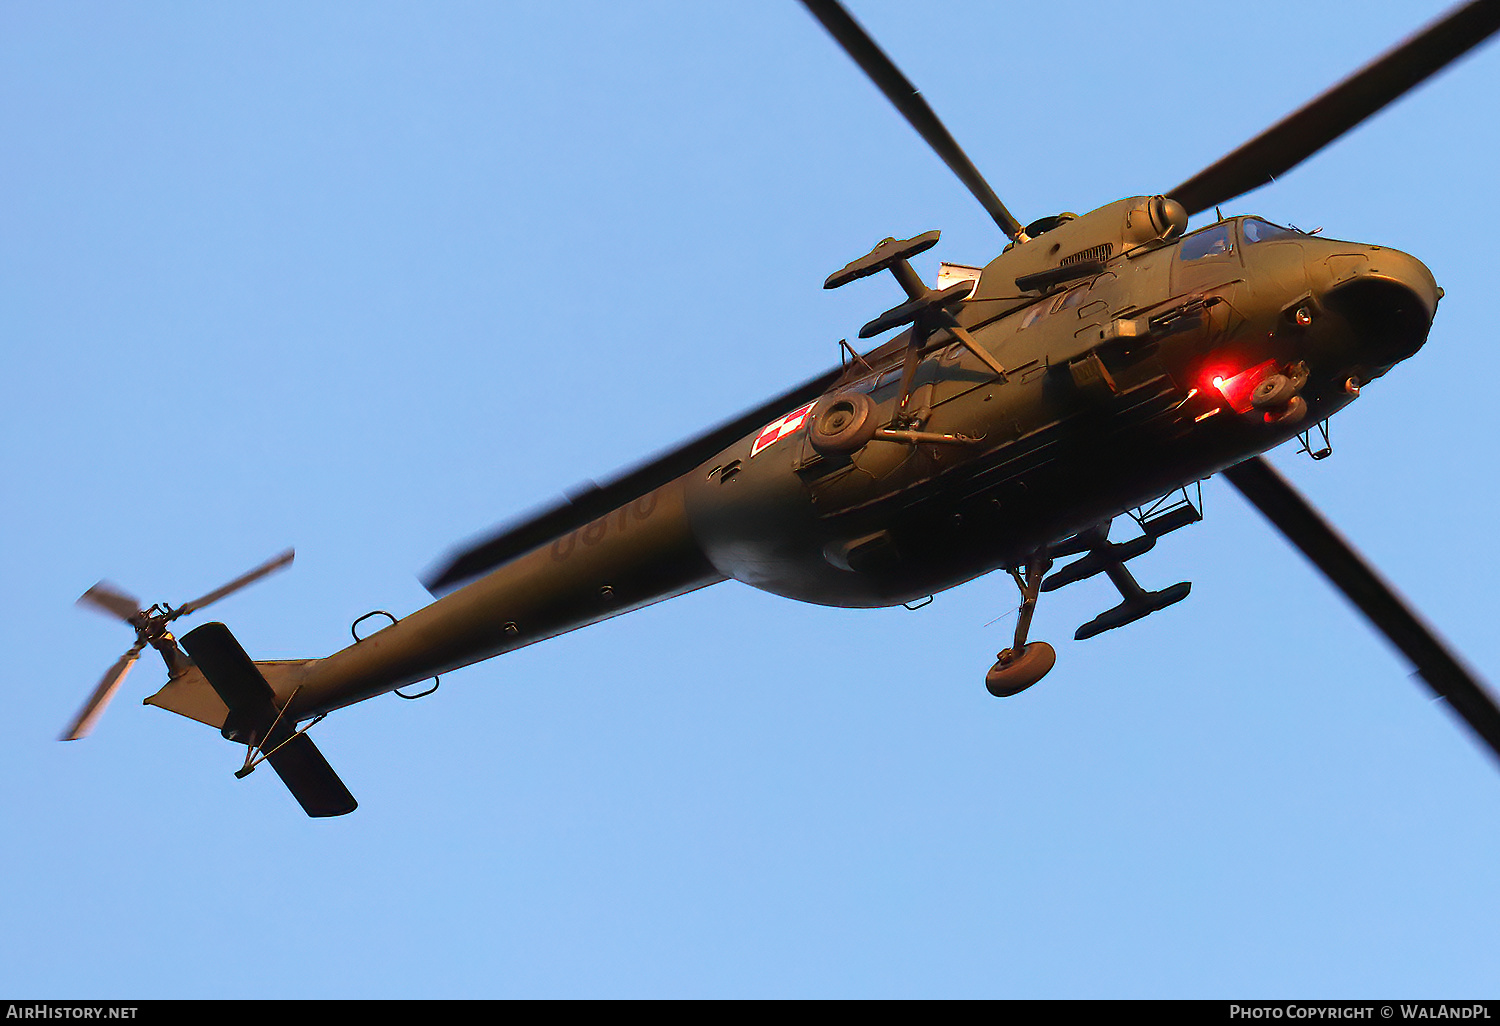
<point x="1095" y="370"/>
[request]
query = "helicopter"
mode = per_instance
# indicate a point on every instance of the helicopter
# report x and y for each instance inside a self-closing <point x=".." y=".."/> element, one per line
<point x="1100" y="363"/>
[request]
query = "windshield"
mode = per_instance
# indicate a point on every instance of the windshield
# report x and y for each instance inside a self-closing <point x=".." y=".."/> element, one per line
<point x="1215" y="241"/>
<point x="1257" y="230"/>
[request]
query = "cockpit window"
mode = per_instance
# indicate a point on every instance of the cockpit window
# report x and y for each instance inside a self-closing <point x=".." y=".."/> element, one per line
<point x="1215" y="241"/>
<point x="1257" y="230"/>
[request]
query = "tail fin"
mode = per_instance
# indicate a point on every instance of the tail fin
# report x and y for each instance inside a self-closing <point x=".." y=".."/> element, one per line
<point x="253" y="717"/>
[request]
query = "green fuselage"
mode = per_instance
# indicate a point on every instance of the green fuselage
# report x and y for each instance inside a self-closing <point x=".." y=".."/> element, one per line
<point x="1114" y="394"/>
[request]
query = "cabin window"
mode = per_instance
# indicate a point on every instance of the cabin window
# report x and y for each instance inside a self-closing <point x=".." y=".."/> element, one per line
<point x="1072" y="298"/>
<point x="1211" y="242"/>
<point x="1257" y="230"/>
<point x="1035" y="314"/>
<point x="1068" y="299"/>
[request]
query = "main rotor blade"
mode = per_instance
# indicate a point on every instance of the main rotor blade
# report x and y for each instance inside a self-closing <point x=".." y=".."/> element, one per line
<point x="1298" y="136"/>
<point x="108" y="685"/>
<point x="106" y="599"/>
<point x="1259" y="482"/>
<point x="899" y="90"/>
<point x="596" y="500"/>
<point x="270" y="565"/>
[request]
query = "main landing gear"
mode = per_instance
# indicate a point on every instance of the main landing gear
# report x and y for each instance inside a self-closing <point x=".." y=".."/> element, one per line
<point x="1023" y="664"/>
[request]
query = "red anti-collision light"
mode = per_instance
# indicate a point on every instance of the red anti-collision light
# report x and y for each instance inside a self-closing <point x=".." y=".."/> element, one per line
<point x="1236" y="388"/>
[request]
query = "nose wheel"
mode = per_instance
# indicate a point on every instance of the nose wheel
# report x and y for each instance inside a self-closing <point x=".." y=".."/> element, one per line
<point x="1023" y="664"/>
<point x="1278" y="396"/>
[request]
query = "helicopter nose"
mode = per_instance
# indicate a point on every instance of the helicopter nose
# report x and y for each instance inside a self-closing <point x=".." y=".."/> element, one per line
<point x="1388" y="299"/>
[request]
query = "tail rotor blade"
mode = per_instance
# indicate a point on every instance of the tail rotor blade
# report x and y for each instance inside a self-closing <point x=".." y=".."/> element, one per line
<point x="106" y="599"/>
<point x="1306" y="528"/>
<point x="269" y="566"/>
<point x="89" y="715"/>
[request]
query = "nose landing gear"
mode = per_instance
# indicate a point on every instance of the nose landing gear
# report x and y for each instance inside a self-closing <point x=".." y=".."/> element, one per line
<point x="1023" y="664"/>
<point x="1277" y="395"/>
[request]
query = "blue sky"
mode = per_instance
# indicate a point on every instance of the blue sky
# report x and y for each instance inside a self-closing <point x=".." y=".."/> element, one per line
<point x="369" y="278"/>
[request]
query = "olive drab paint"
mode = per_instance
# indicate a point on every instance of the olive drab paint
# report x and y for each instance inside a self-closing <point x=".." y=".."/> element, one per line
<point x="1097" y="363"/>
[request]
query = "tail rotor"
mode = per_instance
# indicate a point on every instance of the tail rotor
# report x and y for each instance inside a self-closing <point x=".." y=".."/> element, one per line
<point x="150" y="625"/>
<point x="84" y="722"/>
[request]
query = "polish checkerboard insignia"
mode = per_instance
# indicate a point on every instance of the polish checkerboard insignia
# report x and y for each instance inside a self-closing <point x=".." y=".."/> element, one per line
<point x="780" y="428"/>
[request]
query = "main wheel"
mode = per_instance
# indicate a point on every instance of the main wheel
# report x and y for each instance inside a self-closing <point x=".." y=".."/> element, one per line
<point x="1013" y="673"/>
<point x="842" y="424"/>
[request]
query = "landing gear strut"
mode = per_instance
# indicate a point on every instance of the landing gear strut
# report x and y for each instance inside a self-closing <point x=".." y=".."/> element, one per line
<point x="1023" y="664"/>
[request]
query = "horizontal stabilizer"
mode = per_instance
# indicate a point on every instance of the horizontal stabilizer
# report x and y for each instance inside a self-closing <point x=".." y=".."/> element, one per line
<point x="190" y="694"/>
<point x="231" y="673"/>
<point x="255" y="719"/>
<point x="308" y="776"/>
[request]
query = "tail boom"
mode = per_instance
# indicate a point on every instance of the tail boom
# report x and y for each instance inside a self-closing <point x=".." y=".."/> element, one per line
<point x="639" y="554"/>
